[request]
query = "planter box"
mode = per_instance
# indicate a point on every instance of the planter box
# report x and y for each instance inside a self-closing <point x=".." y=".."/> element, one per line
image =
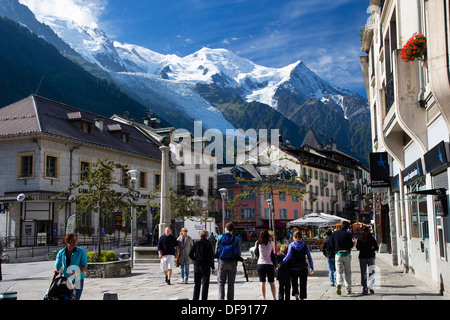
<point x="110" y="269"/>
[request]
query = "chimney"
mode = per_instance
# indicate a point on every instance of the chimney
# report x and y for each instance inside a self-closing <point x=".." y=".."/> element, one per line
<point x="154" y="123"/>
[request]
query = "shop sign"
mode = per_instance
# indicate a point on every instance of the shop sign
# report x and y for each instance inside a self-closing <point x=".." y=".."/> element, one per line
<point x="413" y="172"/>
<point x="379" y="169"/>
<point x="436" y="157"/>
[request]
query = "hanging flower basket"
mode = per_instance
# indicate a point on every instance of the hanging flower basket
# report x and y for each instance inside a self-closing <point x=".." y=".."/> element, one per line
<point x="415" y="48"/>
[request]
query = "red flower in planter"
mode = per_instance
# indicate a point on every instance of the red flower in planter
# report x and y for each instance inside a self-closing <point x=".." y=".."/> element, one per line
<point x="415" y="48"/>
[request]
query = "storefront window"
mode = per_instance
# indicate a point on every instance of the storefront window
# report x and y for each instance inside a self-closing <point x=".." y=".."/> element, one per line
<point x="418" y="214"/>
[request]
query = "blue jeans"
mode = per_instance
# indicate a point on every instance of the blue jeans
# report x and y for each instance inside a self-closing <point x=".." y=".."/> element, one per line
<point x="332" y="270"/>
<point x="79" y="291"/>
<point x="184" y="271"/>
<point x="364" y="264"/>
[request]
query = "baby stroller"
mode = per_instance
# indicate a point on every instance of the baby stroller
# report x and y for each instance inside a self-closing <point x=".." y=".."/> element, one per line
<point x="61" y="288"/>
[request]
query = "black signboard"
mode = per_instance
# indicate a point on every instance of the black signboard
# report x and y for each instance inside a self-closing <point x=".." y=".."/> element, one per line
<point x="379" y="169"/>
<point x="395" y="183"/>
<point x="413" y="172"/>
<point x="436" y="157"/>
<point x="118" y="220"/>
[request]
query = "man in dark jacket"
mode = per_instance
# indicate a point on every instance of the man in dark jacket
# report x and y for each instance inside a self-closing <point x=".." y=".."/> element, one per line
<point x="367" y="245"/>
<point x="202" y="255"/>
<point x="343" y="244"/>
<point x="328" y="252"/>
<point x="167" y="245"/>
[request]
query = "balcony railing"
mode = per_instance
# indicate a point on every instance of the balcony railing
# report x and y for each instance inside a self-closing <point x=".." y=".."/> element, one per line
<point x="389" y="93"/>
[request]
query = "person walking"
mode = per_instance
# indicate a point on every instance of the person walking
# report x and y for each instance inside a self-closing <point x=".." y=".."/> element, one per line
<point x="265" y="251"/>
<point x="298" y="251"/>
<point x="202" y="255"/>
<point x="367" y="245"/>
<point x="72" y="262"/>
<point x="328" y="252"/>
<point x="167" y="249"/>
<point x="343" y="244"/>
<point x="228" y="251"/>
<point x="283" y="276"/>
<point x="185" y="244"/>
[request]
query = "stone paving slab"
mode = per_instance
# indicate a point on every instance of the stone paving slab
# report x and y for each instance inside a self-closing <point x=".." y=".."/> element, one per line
<point x="147" y="283"/>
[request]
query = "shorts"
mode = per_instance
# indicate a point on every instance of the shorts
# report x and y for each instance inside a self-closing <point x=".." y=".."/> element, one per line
<point x="266" y="270"/>
<point x="167" y="262"/>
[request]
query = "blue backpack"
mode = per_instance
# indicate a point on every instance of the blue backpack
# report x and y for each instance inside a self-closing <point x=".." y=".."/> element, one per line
<point x="227" y="249"/>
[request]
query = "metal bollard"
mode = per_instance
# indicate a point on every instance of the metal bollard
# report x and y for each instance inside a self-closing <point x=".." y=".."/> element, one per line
<point x="110" y="296"/>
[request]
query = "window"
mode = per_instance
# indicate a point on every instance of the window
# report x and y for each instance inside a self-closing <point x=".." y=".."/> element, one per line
<point x="283" y="213"/>
<point x="295" y="213"/>
<point x="197" y="181"/>
<point x="157" y="180"/>
<point x="85" y="127"/>
<point x="84" y="170"/>
<point x="25" y="165"/>
<point x="124" y="137"/>
<point x="249" y="195"/>
<point x="142" y="180"/>
<point x="51" y="166"/>
<point x="248" y="213"/>
<point x="282" y="196"/>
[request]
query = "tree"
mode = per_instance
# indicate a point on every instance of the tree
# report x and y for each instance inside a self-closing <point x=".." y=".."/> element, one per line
<point x="96" y="192"/>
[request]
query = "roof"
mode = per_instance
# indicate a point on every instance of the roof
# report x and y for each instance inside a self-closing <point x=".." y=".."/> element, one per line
<point x="311" y="140"/>
<point x="36" y="115"/>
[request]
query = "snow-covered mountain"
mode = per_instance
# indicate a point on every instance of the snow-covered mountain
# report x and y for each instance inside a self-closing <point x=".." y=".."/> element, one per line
<point x="168" y="83"/>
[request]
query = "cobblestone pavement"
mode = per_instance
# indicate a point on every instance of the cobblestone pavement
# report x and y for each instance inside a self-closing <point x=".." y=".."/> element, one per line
<point x="147" y="283"/>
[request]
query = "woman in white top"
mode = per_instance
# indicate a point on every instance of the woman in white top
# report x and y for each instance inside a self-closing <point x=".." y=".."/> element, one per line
<point x="265" y="251"/>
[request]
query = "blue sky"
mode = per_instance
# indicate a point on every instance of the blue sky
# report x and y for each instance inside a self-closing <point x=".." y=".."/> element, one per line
<point x="324" y="34"/>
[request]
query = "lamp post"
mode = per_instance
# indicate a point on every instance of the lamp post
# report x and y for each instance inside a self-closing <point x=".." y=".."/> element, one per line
<point x="223" y="195"/>
<point x="269" y="202"/>
<point x="165" y="188"/>
<point x="133" y="174"/>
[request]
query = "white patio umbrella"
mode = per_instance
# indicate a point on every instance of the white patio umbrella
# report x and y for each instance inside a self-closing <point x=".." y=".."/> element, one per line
<point x="314" y="219"/>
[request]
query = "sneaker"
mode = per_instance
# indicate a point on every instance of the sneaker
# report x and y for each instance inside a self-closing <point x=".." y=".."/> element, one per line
<point x="349" y="292"/>
<point x="365" y="292"/>
<point x="185" y="281"/>
<point x="338" y="289"/>
<point x="181" y="281"/>
<point x="371" y="291"/>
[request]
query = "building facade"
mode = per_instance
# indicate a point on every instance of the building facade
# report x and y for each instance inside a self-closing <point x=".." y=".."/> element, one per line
<point x="336" y="183"/>
<point x="410" y="112"/>
<point x="46" y="145"/>
<point x="262" y="197"/>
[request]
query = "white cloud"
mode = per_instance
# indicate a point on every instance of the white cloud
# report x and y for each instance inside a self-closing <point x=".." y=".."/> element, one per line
<point x="84" y="12"/>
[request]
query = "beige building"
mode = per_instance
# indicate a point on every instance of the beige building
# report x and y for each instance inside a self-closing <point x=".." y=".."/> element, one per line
<point x="410" y="112"/>
<point x="46" y="145"/>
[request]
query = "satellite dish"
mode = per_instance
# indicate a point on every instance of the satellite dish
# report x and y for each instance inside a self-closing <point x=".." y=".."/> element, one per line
<point x="21" y="197"/>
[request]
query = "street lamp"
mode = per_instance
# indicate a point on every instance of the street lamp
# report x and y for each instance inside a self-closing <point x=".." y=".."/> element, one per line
<point x="133" y="174"/>
<point x="223" y="195"/>
<point x="269" y="202"/>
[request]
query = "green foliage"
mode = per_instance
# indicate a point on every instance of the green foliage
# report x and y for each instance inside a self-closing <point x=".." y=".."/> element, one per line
<point x="104" y="256"/>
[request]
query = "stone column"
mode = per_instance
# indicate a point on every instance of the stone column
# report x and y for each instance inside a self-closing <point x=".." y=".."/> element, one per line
<point x="165" y="188"/>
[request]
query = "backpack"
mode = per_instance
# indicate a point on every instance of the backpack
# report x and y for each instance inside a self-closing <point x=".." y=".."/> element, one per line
<point x="226" y="249"/>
